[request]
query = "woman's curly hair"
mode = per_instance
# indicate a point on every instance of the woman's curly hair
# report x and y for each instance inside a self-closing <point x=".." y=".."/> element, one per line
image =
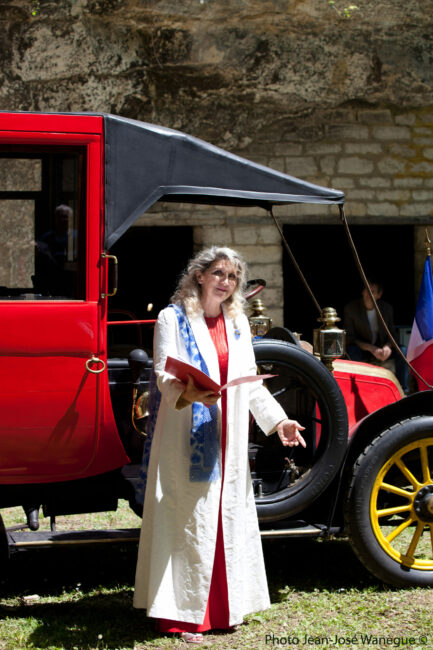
<point x="188" y="290"/>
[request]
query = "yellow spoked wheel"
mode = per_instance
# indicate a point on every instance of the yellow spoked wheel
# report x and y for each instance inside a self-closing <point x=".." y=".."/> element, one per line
<point x="389" y="506"/>
<point x="404" y="527"/>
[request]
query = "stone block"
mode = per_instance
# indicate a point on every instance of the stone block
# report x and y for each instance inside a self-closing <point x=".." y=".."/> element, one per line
<point x="363" y="148"/>
<point x="272" y="297"/>
<point x="327" y="164"/>
<point x="382" y="209"/>
<point x="424" y="210"/>
<point x="394" y="195"/>
<point x="287" y="149"/>
<point x="322" y="180"/>
<point x="344" y="116"/>
<point x="405" y="119"/>
<point x="348" y="132"/>
<point x="403" y="150"/>
<point x="355" y="165"/>
<point x="343" y="183"/>
<point x="423" y="195"/>
<point x="375" y="181"/>
<point x="268" y="234"/>
<point x="424" y="142"/>
<point x="360" y="194"/>
<point x="421" y="167"/>
<point x="426" y="118"/>
<point x="216" y="235"/>
<point x="381" y="116"/>
<point x="428" y="153"/>
<point x="301" y="209"/>
<point x="272" y="273"/>
<point x="301" y="167"/>
<point x="266" y="255"/>
<point x="422" y="130"/>
<point x="241" y="212"/>
<point x="408" y="181"/>
<point x="391" y="166"/>
<point x="355" y="209"/>
<point x="245" y="234"/>
<point x="391" y="133"/>
<point x="322" y="148"/>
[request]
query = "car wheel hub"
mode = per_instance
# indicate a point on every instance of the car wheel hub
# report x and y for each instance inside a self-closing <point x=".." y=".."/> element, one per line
<point x="423" y="503"/>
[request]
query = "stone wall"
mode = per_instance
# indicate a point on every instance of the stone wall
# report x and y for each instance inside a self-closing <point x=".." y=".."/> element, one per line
<point x="288" y="83"/>
<point x="381" y="158"/>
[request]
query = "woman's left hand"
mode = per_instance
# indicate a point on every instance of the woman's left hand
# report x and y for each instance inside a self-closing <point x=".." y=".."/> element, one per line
<point x="289" y="432"/>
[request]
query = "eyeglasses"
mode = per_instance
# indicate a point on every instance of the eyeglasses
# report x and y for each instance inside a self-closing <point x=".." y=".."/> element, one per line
<point x="231" y="277"/>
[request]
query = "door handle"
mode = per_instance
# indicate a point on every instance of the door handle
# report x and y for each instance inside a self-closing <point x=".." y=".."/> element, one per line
<point x="115" y="275"/>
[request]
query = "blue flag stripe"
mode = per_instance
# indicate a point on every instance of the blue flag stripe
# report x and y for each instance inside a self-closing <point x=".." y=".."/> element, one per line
<point x="424" y="308"/>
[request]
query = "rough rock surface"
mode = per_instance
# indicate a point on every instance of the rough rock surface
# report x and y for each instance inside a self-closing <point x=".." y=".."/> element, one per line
<point x="230" y="71"/>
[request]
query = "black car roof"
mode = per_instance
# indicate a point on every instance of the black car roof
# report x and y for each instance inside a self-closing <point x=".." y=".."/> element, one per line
<point x="145" y="163"/>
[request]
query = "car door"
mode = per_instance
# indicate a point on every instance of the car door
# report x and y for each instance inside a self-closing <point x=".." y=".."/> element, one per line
<point x="53" y="403"/>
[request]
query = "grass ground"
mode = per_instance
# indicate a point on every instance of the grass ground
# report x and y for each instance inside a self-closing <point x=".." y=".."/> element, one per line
<point x="321" y="598"/>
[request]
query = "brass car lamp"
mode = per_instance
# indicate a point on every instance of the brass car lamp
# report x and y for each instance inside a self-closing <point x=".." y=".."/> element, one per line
<point x="259" y="323"/>
<point x="329" y="341"/>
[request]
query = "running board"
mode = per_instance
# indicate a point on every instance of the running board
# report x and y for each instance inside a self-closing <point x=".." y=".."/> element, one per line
<point x="22" y="540"/>
<point x="296" y="531"/>
<point x="47" y="539"/>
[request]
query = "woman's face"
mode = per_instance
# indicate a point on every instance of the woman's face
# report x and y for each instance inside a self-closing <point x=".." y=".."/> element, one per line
<point x="218" y="282"/>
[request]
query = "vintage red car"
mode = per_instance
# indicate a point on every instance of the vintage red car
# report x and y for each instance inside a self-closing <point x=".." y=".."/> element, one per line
<point x="72" y="184"/>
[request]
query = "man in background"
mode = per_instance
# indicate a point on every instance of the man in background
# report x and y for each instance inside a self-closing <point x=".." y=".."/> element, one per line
<point x="367" y="339"/>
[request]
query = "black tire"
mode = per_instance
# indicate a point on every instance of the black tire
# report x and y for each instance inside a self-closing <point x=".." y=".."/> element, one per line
<point x="287" y="480"/>
<point x="402" y="560"/>
<point x="282" y="334"/>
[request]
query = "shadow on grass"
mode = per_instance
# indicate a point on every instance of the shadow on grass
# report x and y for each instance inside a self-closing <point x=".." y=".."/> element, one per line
<point x="91" y="589"/>
<point x="307" y="565"/>
<point x="91" y="621"/>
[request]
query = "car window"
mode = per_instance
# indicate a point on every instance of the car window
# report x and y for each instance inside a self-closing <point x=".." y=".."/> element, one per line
<point x="42" y="224"/>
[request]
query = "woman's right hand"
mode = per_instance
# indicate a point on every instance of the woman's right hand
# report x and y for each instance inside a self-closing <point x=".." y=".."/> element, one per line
<point x="193" y="394"/>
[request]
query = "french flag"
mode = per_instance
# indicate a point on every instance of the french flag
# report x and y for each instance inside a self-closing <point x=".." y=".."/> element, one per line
<point x="420" y="348"/>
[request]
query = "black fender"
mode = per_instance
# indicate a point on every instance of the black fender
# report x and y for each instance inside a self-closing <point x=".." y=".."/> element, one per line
<point x="374" y="424"/>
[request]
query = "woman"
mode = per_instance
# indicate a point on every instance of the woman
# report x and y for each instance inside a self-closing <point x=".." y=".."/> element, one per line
<point x="200" y="562"/>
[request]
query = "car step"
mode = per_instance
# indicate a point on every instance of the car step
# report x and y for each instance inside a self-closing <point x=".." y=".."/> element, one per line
<point x="20" y="540"/>
<point x="305" y="530"/>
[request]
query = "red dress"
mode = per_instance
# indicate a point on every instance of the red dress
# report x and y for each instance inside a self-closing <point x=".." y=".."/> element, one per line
<point x="217" y="611"/>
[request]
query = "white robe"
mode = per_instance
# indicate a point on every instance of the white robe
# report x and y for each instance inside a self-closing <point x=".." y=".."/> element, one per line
<point x="180" y="518"/>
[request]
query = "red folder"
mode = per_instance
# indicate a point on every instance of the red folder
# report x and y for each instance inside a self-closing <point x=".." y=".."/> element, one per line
<point x="181" y="370"/>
